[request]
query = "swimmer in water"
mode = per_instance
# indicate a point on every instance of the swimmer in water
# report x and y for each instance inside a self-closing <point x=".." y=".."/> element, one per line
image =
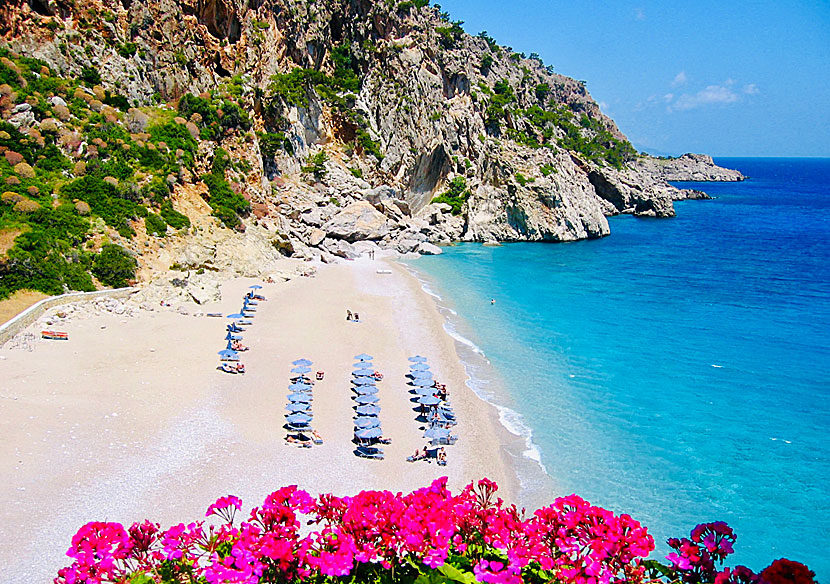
<point x="492" y="301"/>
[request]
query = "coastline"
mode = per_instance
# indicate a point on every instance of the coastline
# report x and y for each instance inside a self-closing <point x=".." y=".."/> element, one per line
<point x="536" y="487"/>
<point x="130" y="419"/>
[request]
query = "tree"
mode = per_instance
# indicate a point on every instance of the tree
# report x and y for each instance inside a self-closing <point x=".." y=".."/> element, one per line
<point x="114" y="266"/>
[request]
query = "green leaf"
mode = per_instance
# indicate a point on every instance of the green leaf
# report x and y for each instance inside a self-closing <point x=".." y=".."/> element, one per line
<point x="457" y="575"/>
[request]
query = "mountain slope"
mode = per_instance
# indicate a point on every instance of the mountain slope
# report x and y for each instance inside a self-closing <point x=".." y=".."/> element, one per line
<point x="318" y="124"/>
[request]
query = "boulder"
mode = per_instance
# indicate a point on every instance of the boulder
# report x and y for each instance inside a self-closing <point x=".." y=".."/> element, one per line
<point x="359" y="220"/>
<point x="316" y="236"/>
<point x="426" y="248"/>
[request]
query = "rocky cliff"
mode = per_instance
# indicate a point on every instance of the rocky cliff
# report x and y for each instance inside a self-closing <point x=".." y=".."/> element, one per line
<point x="313" y="126"/>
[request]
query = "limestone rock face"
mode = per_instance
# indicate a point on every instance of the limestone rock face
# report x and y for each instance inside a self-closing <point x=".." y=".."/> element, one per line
<point x="359" y="220"/>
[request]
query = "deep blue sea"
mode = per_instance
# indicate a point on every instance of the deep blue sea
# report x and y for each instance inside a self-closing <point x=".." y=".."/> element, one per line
<point x="677" y="370"/>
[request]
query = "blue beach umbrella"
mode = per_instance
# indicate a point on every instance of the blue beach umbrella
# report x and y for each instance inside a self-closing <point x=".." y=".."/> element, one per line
<point x="418" y="359"/>
<point x="228" y="353"/>
<point x="363" y="357"/>
<point x="425" y="390"/>
<point x="299" y="427"/>
<point x="301" y="369"/>
<point x="367" y="399"/>
<point x="363" y="372"/>
<point x="363" y="380"/>
<point x="422" y="382"/>
<point x="299" y="397"/>
<point x="368" y="433"/>
<point x="436" y="432"/>
<point x="361" y="365"/>
<point x="236" y="315"/>
<point x="429" y="400"/>
<point x="232" y="337"/>
<point x="365" y="390"/>
<point x="298" y="418"/>
<point x="368" y="410"/>
<point x="299" y="387"/>
<point x="367" y="422"/>
<point x="421" y="374"/>
<point x="255" y="287"/>
<point x="301" y="362"/>
<point x="298" y="407"/>
<point x="419" y="367"/>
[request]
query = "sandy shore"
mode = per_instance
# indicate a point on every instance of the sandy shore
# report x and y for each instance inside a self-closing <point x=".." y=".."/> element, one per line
<point x="130" y="419"/>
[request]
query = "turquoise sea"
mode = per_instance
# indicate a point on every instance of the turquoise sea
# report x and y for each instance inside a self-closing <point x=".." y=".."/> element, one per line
<point x="677" y="370"/>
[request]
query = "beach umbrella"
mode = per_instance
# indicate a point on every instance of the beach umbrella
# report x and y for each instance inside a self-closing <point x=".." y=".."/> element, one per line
<point x="232" y="337"/>
<point x="421" y="374"/>
<point x="425" y="390"/>
<point x="429" y="400"/>
<point x="419" y="367"/>
<point x="365" y="390"/>
<point x="367" y="399"/>
<point x="367" y="422"/>
<point x="298" y="418"/>
<point x="368" y="433"/>
<point x="299" y="387"/>
<point x="301" y="362"/>
<point x="299" y="397"/>
<point x="363" y="372"/>
<point x="255" y="287"/>
<point x="418" y="359"/>
<point x="228" y="353"/>
<point x="368" y="410"/>
<point x="436" y="432"/>
<point x="422" y="382"/>
<point x="298" y="407"/>
<point x="361" y="365"/>
<point x="363" y="357"/>
<point x="236" y="315"/>
<point x="301" y="369"/>
<point x="298" y="427"/>
<point x="363" y="380"/>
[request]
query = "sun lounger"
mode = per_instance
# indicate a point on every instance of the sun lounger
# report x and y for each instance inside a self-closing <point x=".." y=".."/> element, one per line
<point x="368" y="452"/>
<point x="227" y="368"/>
<point x="215" y="314"/>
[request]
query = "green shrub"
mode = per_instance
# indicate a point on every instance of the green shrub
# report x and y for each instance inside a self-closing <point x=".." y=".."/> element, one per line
<point x="520" y="178"/>
<point x="127" y="50"/>
<point x="270" y="143"/>
<point x="486" y="62"/>
<point x="114" y="266"/>
<point x="547" y="169"/>
<point x="356" y="172"/>
<point x="90" y="75"/>
<point x="173" y="218"/>
<point x="105" y="201"/>
<point x="226" y="205"/>
<point x="155" y="225"/>
<point x="455" y="196"/>
<point x="315" y="164"/>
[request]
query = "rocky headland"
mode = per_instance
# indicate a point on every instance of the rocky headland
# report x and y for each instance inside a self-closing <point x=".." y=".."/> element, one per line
<point x="689" y="168"/>
<point x="239" y="132"/>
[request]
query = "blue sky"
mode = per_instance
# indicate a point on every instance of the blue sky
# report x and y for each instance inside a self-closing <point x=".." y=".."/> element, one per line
<point x="725" y="78"/>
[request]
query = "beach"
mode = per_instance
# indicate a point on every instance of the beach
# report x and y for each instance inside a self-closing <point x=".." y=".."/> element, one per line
<point x="130" y="418"/>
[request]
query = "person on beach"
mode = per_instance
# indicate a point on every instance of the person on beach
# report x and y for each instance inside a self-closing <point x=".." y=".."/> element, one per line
<point x="348" y="314"/>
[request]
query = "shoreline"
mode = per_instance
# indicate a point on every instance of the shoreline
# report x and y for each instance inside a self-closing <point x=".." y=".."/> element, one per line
<point x="535" y="486"/>
<point x="130" y="419"/>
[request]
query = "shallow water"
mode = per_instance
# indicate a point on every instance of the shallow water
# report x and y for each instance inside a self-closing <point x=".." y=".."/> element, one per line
<point x="678" y="369"/>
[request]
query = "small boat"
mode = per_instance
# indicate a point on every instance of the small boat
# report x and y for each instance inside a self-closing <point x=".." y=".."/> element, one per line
<point x="54" y="335"/>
